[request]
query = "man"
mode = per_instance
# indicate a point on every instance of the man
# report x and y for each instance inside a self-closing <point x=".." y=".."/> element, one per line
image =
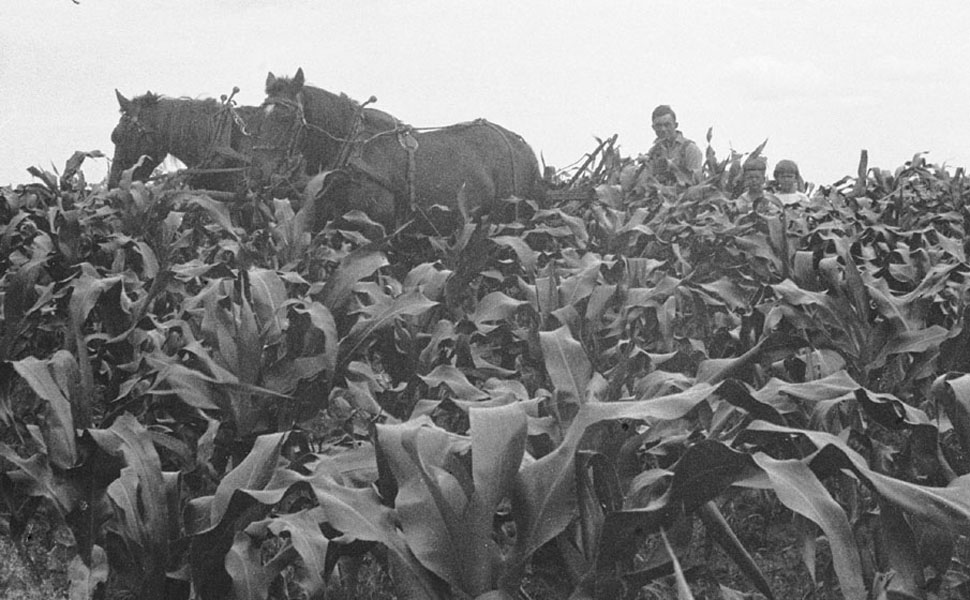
<point x="673" y="158"/>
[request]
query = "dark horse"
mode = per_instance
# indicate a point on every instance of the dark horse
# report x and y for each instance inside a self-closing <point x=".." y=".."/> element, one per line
<point x="390" y="170"/>
<point x="207" y="135"/>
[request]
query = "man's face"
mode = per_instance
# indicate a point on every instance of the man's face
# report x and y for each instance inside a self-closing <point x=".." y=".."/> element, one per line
<point x="665" y="127"/>
<point x="786" y="182"/>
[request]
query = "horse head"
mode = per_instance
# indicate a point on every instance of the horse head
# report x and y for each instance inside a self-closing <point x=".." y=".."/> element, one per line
<point x="277" y="152"/>
<point x="136" y="136"/>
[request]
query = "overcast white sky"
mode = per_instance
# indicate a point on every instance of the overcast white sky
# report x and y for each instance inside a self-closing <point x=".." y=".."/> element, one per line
<point x="821" y="79"/>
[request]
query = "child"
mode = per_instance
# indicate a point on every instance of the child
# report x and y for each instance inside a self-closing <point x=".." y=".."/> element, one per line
<point x="787" y="184"/>
<point x="754" y="197"/>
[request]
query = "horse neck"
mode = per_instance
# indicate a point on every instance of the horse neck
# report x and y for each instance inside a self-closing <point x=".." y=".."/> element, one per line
<point x="186" y="128"/>
<point x="329" y="112"/>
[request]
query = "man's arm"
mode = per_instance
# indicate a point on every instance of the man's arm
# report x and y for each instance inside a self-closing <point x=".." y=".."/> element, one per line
<point x="693" y="160"/>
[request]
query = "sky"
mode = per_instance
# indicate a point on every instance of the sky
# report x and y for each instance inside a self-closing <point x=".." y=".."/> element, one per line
<point x="819" y="79"/>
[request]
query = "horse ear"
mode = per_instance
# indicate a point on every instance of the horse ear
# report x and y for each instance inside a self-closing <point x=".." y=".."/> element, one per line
<point x="270" y="80"/>
<point x="123" y="102"/>
<point x="298" y="78"/>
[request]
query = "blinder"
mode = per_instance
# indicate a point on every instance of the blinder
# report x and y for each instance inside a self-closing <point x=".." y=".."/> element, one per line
<point x="284" y="148"/>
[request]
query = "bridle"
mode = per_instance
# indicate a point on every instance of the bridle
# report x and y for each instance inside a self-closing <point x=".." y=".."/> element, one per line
<point x="297" y="130"/>
<point x="141" y="130"/>
<point x="285" y="146"/>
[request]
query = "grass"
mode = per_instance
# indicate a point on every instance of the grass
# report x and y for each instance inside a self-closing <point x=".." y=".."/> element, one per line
<point x="35" y="569"/>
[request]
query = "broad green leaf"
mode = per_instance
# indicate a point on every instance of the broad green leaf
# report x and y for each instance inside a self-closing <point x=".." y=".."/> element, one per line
<point x="568" y="367"/>
<point x="73" y="165"/>
<point x="41" y="480"/>
<point x="952" y="391"/>
<point x="191" y="386"/>
<point x="87" y="290"/>
<point x="899" y="543"/>
<point x="577" y="286"/>
<point x="435" y="350"/>
<point x="889" y="411"/>
<point x="528" y="258"/>
<point x="150" y="266"/>
<point x="360" y="514"/>
<point x="254" y="472"/>
<point x="946" y="507"/>
<point x="83" y="581"/>
<point x="639" y="271"/>
<point x="737" y="394"/>
<point x="377" y="318"/>
<point x="304" y="532"/>
<point x="498" y="437"/>
<point x="284" y="376"/>
<point x="59" y="434"/>
<point x="250" y="579"/>
<point x="495" y="595"/>
<point x="217" y="211"/>
<point x="652" y="296"/>
<point x="599" y="302"/>
<point x="455" y="380"/>
<point x="141" y="495"/>
<point x="786" y="396"/>
<point x="728" y="291"/>
<point x="322" y="319"/>
<point x="920" y="340"/>
<point x="495" y="306"/>
<point x="856" y="289"/>
<point x="429" y="499"/>
<point x="705" y="470"/>
<point x="798" y="489"/>
<point x="269" y="294"/>
<point x="668" y="406"/>
<point x="544" y="500"/>
<point x="355" y="266"/>
<point x="717" y="370"/>
<point x="428" y="279"/>
<point x="250" y="348"/>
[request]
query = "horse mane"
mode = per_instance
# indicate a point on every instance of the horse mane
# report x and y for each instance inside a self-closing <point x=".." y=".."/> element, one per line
<point x="186" y="126"/>
<point x="146" y="100"/>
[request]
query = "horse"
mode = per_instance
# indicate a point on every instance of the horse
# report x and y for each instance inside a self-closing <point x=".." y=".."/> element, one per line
<point x="390" y="171"/>
<point x="209" y="136"/>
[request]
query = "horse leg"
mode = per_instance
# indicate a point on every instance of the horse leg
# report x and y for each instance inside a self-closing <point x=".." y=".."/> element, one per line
<point x="479" y="194"/>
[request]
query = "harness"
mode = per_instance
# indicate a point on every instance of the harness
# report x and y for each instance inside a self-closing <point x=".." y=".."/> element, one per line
<point x="349" y="158"/>
<point x="220" y="143"/>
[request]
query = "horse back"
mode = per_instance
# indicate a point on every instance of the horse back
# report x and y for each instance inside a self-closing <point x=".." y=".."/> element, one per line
<point x="486" y="159"/>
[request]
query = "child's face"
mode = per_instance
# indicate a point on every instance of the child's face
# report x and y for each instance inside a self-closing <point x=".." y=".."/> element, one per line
<point x="754" y="181"/>
<point x="786" y="182"/>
